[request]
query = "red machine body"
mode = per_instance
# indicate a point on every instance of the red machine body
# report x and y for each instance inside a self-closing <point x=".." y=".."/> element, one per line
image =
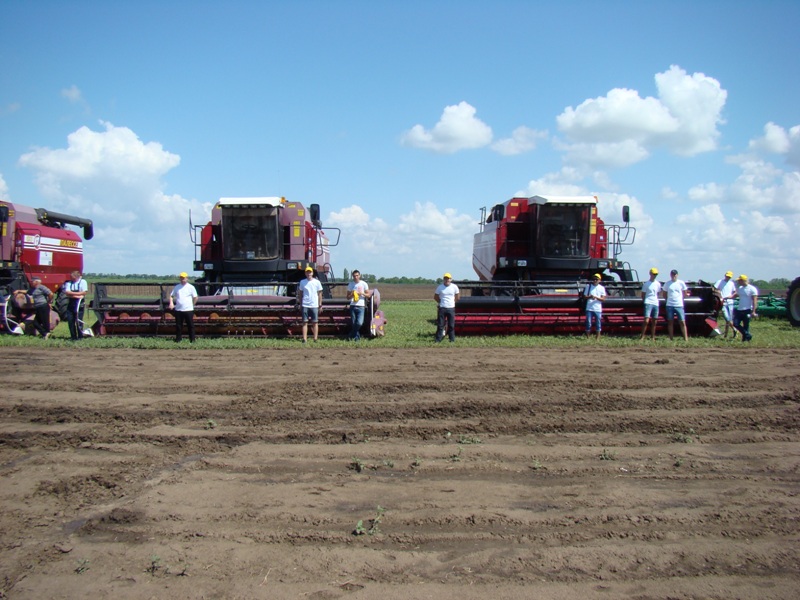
<point x="252" y="254"/>
<point x="534" y="257"/>
<point x="35" y="242"/>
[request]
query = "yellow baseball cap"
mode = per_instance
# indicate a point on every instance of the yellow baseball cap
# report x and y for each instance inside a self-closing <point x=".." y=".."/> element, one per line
<point x="184" y="274"/>
<point x="728" y="273"/>
<point x="309" y="269"/>
<point x="653" y="271"/>
<point x="743" y="277"/>
<point x="447" y="276"/>
<point x="597" y="276"/>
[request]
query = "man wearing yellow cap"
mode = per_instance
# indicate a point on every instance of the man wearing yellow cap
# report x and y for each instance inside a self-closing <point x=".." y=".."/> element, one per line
<point x="650" y="294"/>
<point x="182" y="300"/>
<point x="746" y="308"/>
<point x="727" y="291"/>
<point x="595" y="294"/>
<point x="446" y="296"/>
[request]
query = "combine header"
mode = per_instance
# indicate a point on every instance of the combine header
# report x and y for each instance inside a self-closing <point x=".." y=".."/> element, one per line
<point x="534" y="257"/>
<point x="253" y="253"/>
<point x="35" y="242"/>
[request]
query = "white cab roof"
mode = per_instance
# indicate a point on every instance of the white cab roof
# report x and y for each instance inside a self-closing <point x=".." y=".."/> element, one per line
<point x="563" y="200"/>
<point x="260" y="201"/>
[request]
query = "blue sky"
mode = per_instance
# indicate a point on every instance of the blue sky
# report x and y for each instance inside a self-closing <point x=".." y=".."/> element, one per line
<point x="403" y="119"/>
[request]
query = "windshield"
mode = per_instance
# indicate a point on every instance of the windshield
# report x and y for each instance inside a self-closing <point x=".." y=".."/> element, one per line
<point x="563" y="230"/>
<point x="250" y="233"/>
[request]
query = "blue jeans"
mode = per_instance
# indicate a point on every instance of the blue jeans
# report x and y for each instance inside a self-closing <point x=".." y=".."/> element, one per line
<point x="741" y="321"/>
<point x="590" y="315"/>
<point x="446" y="323"/>
<point x="356" y="320"/>
<point x="673" y="311"/>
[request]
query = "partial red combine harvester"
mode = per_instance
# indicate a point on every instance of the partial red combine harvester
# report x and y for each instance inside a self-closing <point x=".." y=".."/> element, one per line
<point x="35" y="242"/>
<point x="534" y="257"/>
<point x="252" y="253"/>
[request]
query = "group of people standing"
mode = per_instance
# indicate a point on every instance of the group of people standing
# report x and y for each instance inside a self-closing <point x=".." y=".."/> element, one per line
<point x="41" y="297"/>
<point x="675" y="290"/>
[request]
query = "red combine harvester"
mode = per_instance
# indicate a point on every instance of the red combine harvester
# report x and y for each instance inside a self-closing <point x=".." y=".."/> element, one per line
<point x="253" y="253"/>
<point x="35" y="242"/>
<point x="534" y="257"/>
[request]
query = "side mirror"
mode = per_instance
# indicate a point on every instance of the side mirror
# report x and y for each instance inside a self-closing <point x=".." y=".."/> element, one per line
<point x="313" y="212"/>
<point x="626" y="214"/>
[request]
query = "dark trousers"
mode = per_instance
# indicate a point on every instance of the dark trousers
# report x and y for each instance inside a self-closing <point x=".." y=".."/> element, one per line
<point x="41" y="319"/>
<point x="741" y="321"/>
<point x="446" y="323"/>
<point x="181" y="317"/>
<point x="75" y="319"/>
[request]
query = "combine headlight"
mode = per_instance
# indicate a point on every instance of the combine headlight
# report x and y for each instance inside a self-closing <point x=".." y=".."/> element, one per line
<point x="208" y="266"/>
<point x="603" y="264"/>
<point x="292" y="265"/>
<point x="522" y="263"/>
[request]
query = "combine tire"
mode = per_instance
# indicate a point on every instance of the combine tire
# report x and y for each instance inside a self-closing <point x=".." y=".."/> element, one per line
<point x="793" y="303"/>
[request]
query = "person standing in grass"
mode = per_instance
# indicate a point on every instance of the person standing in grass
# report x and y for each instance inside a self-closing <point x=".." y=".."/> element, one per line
<point x="357" y="291"/>
<point x="75" y="290"/>
<point x="41" y="297"/>
<point x="651" y="291"/>
<point x="675" y="291"/>
<point x="182" y="300"/>
<point x="446" y="296"/>
<point x="309" y="298"/>
<point x="747" y="307"/>
<point x="727" y="292"/>
<point x="595" y="294"/>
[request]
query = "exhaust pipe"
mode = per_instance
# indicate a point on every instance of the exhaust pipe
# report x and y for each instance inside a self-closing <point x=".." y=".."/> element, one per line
<point x="47" y="216"/>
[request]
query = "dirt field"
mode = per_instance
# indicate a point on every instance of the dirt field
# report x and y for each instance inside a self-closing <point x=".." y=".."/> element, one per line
<point x="647" y="473"/>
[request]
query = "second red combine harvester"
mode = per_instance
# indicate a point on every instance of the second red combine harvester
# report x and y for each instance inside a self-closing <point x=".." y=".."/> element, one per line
<point x="252" y="253"/>
<point x="534" y="257"/>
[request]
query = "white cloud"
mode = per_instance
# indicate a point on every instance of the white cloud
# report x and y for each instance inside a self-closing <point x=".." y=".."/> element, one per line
<point x="116" y="179"/>
<point x="623" y="128"/>
<point x="777" y="140"/>
<point x="426" y="241"/>
<point x="73" y="94"/>
<point x="3" y="189"/>
<point x="457" y="129"/>
<point x="707" y="192"/>
<point x="523" y="139"/>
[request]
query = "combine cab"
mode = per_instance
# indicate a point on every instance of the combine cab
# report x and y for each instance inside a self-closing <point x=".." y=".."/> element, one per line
<point x="35" y="242"/>
<point x="253" y="253"/>
<point x="534" y="257"/>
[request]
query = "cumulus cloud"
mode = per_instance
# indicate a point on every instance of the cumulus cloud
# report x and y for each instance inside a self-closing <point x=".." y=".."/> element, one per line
<point x="426" y="241"/>
<point x="523" y="139"/>
<point x="777" y="140"/>
<point x="622" y="128"/>
<point x="3" y="189"/>
<point x="116" y="179"/>
<point x="457" y="129"/>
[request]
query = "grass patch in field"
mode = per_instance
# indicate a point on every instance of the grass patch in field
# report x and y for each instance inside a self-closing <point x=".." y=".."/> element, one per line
<point x="412" y="324"/>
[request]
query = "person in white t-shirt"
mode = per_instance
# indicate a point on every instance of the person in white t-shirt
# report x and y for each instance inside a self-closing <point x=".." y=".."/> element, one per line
<point x="357" y="291"/>
<point x="746" y="308"/>
<point x="651" y="291"/>
<point x="182" y="300"/>
<point x="675" y="291"/>
<point x="309" y="298"/>
<point x="727" y="292"/>
<point x="446" y="296"/>
<point x="595" y="294"/>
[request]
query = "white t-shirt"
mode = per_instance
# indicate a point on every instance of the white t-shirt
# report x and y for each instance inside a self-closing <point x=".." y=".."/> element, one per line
<point x="726" y="288"/>
<point x="746" y="294"/>
<point x="359" y="287"/>
<point x="675" y="290"/>
<point x="310" y="288"/>
<point x="447" y="295"/>
<point x="182" y="294"/>
<point x="651" y="290"/>
<point x="595" y="290"/>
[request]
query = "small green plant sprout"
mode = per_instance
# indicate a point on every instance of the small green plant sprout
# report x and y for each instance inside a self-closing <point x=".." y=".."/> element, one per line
<point x="387" y="462"/>
<point x="447" y="436"/>
<point x="457" y="456"/>
<point x="374" y="523"/>
<point x="466" y="439"/>
<point x="417" y="463"/>
<point x="83" y="566"/>
<point x="360" y="529"/>
<point x="607" y="454"/>
<point x="356" y="464"/>
<point x="678" y="463"/>
<point x="536" y="465"/>
<point x="211" y="424"/>
<point x="683" y="438"/>
<point x="155" y="565"/>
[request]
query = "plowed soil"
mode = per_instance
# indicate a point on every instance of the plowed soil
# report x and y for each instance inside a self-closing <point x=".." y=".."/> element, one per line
<point x="360" y="473"/>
